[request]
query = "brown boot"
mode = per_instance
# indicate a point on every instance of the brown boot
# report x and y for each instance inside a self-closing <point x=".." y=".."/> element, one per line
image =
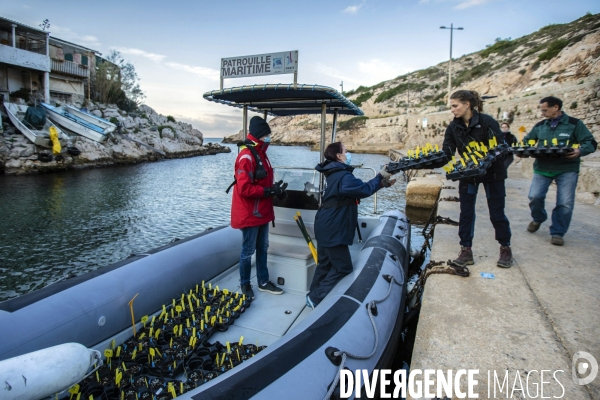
<point x="465" y="257"/>
<point x="505" y="260"/>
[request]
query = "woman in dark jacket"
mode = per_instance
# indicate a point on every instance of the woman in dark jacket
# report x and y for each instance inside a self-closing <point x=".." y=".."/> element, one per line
<point x="510" y="139"/>
<point x="337" y="219"/>
<point x="470" y="125"/>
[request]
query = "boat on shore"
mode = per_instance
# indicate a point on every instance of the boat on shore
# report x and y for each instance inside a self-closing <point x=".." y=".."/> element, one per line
<point x="80" y="122"/>
<point x="198" y="336"/>
<point x="40" y="134"/>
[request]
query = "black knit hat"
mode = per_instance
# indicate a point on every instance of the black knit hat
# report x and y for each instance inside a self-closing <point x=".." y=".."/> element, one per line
<point x="259" y="127"/>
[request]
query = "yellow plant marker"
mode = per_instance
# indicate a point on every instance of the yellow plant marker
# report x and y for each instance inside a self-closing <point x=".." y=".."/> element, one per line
<point x="241" y="340"/>
<point x="187" y="321"/>
<point x="474" y="160"/>
<point x="118" y="351"/>
<point x="150" y="332"/>
<point x="223" y="359"/>
<point x="180" y="387"/>
<point x="131" y="310"/>
<point x="144" y="320"/>
<point x="140" y="347"/>
<point x="228" y="348"/>
<point x="436" y="148"/>
<point x="575" y="145"/>
<point x="153" y="319"/>
<point x="97" y="376"/>
<point x="531" y="142"/>
<point x="238" y="353"/>
<point x="209" y="286"/>
<point x="143" y="335"/>
<point x="555" y="141"/>
<point x="463" y="163"/>
<point x="478" y="154"/>
<point x="118" y="378"/>
<point x="108" y="353"/>
<point x="124" y="367"/>
<point x="171" y="342"/>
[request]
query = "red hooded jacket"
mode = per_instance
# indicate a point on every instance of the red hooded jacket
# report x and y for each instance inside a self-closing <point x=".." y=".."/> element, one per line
<point x="249" y="206"/>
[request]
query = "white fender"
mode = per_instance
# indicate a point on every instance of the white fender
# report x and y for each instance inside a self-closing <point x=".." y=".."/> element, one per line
<point x="45" y="372"/>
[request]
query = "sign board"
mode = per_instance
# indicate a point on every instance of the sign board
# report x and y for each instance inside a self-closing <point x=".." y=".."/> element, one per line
<point x="424" y="122"/>
<point x="285" y="62"/>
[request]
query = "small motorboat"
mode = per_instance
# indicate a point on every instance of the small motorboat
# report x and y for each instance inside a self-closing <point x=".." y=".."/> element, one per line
<point x="37" y="131"/>
<point x="195" y="327"/>
<point x="80" y="122"/>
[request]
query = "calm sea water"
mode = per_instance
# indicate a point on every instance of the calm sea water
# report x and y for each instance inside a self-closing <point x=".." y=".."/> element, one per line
<point x="56" y="224"/>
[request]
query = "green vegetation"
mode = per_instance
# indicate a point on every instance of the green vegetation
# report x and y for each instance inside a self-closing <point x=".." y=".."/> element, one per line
<point x="503" y="46"/>
<point x="523" y="71"/>
<point x="114" y="120"/>
<point x="116" y="82"/>
<point x="352" y="123"/>
<point x="170" y="118"/>
<point x="573" y="105"/>
<point x="553" y="49"/>
<point x="401" y="88"/>
<point x="362" y="98"/>
<point x="470" y="74"/>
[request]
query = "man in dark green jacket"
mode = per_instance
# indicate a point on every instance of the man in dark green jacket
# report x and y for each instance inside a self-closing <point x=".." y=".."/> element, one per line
<point x="564" y="171"/>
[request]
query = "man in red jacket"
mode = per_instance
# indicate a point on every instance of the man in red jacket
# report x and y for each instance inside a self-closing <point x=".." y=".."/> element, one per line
<point x="252" y="205"/>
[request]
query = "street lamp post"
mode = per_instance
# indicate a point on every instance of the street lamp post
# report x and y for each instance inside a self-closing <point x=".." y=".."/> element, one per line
<point x="452" y="28"/>
<point x="342" y="86"/>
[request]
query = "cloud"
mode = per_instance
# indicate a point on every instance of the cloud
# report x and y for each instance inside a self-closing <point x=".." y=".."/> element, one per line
<point x="330" y="71"/>
<point x="214" y="124"/>
<point x="204" y="72"/>
<point x="141" y="53"/>
<point x="470" y="3"/>
<point x="67" y="34"/>
<point x="462" y="4"/>
<point x="353" y="9"/>
<point x="377" y="70"/>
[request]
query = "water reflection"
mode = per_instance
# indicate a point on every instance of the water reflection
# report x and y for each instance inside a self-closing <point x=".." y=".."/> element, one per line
<point x="74" y="222"/>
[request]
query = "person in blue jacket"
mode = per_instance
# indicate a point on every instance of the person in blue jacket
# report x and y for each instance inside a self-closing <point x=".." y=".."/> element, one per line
<point x="337" y="219"/>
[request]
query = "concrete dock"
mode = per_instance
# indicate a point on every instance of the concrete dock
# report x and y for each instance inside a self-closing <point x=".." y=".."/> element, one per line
<point x="534" y="316"/>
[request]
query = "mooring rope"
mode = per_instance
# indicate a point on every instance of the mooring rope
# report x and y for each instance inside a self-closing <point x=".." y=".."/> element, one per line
<point x="346" y="354"/>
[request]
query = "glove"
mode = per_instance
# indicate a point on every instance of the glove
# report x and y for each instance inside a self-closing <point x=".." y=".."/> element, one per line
<point x="386" y="183"/>
<point x="278" y="189"/>
<point x="384" y="173"/>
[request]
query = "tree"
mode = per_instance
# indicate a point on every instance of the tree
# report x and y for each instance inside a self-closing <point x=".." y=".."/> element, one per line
<point x="129" y="78"/>
<point x="45" y="25"/>
<point x="116" y="82"/>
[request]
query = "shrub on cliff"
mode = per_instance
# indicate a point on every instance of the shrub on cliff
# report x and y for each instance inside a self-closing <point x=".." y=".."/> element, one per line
<point x="352" y="123"/>
<point x="553" y="49"/>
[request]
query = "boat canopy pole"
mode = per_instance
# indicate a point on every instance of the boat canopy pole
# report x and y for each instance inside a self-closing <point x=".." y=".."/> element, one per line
<point x="333" y="130"/>
<point x="245" y="122"/>
<point x="322" y="149"/>
<point x="265" y="115"/>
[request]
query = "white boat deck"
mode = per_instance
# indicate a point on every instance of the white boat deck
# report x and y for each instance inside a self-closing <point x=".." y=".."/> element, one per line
<point x="270" y="316"/>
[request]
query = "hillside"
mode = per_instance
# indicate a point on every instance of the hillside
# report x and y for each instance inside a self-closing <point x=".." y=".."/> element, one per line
<point x="559" y="59"/>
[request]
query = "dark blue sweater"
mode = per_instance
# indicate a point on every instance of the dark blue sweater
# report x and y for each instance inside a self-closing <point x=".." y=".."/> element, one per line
<point x="336" y="226"/>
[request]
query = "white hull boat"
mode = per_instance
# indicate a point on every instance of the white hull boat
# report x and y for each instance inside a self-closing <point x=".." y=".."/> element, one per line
<point x="80" y="122"/>
<point x="41" y="137"/>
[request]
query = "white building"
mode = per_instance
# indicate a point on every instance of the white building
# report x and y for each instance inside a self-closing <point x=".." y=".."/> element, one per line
<point x="24" y="60"/>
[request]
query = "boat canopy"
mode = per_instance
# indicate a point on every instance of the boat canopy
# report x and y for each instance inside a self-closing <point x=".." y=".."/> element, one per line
<point x="280" y="99"/>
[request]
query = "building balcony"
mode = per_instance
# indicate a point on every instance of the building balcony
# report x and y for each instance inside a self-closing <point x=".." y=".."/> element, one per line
<point x="24" y="58"/>
<point x="70" y="68"/>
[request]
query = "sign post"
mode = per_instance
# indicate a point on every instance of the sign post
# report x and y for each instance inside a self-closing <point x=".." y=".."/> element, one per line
<point x="285" y="62"/>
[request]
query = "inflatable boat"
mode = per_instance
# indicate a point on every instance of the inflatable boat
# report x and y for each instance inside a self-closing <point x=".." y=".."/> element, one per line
<point x="299" y="351"/>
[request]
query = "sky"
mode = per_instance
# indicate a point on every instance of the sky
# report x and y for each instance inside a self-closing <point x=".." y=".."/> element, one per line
<point x="176" y="46"/>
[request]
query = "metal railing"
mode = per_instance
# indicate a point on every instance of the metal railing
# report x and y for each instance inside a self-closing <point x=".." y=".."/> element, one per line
<point x="71" y="68"/>
<point x="315" y="172"/>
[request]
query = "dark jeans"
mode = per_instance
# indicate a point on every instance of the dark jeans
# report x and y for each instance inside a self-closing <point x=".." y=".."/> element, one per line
<point x="495" y="193"/>
<point x="256" y="239"/>
<point x="334" y="263"/>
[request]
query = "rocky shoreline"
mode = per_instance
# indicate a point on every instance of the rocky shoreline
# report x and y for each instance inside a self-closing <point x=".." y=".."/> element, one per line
<point x="146" y="136"/>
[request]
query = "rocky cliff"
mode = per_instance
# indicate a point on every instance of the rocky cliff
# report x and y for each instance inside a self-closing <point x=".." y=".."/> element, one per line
<point x="145" y="136"/>
<point x="560" y="59"/>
